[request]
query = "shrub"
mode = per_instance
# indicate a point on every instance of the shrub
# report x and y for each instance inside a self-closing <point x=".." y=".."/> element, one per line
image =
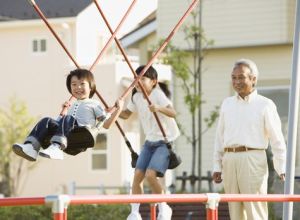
<point x="75" y="212"/>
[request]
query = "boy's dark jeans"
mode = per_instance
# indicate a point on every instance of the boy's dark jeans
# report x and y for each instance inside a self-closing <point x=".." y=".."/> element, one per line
<point x="53" y="131"/>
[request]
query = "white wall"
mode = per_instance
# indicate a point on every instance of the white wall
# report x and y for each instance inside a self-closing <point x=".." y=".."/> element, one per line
<point x="259" y="30"/>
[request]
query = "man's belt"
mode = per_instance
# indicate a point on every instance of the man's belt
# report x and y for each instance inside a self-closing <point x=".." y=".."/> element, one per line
<point x="239" y="149"/>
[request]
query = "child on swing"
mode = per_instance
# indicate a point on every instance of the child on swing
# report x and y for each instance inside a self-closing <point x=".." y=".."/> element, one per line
<point x="153" y="160"/>
<point x="83" y="112"/>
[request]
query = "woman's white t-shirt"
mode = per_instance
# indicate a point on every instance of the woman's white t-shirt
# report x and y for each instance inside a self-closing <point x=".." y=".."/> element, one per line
<point x="150" y="126"/>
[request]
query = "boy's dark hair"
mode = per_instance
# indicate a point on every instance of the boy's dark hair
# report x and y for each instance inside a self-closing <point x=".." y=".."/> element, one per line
<point x="82" y="74"/>
<point x="151" y="73"/>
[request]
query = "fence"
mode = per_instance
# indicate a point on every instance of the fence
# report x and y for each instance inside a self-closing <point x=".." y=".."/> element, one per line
<point x="60" y="203"/>
<point x="101" y="189"/>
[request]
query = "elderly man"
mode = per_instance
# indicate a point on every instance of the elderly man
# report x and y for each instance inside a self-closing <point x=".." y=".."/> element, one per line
<point x="248" y="123"/>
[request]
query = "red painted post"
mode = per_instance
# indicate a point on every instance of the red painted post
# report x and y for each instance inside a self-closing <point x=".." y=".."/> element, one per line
<point x="153" y="211"/>
<point x="58" y="216"/>
<point x="211" y="214"/>
<point x="59" y="206"/>
<point x="65" y="214"/>
<point x="212" y="206"/>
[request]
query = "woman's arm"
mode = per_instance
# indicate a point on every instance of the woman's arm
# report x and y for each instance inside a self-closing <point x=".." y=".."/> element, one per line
<point x="168" y="110"/>
<point x="114" y="116"/>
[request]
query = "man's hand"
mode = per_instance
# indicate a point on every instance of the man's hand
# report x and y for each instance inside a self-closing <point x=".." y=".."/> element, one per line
<point x="282" y="177"/>
<point x="217" y="177"/>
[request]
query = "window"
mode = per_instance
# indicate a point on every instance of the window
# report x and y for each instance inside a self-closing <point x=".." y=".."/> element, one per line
<point x="39" y="45"/>
<point x="99" y="153"/>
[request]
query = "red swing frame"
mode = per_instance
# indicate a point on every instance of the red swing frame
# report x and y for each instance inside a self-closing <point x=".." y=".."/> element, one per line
<point x="137" y="78"/>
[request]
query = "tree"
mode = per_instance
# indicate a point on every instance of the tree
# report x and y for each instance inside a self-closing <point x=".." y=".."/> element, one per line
<point x="15" y="123"/>
<point x="189" y="79"/>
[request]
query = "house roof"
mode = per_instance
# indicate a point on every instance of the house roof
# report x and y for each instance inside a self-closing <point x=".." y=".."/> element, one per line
<point x="22" y="10"/>
<point x="144" y="28"/>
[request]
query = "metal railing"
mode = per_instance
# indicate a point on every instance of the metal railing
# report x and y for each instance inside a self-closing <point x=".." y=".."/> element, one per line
<point x="60" y="203"/>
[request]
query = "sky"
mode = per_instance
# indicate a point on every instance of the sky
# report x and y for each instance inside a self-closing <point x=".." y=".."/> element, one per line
<point x="115" y="10"/>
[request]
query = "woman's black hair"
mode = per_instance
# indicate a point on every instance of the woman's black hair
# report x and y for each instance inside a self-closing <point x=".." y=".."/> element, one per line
<point x="151" y="73"/>
<point x="82" y="74"/>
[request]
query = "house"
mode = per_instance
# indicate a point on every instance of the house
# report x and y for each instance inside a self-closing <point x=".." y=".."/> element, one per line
<point x="35" y="66"/>
<point x="259" y="30"/>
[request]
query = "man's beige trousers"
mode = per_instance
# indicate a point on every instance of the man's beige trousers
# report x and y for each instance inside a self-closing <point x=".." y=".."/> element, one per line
<point x="246" y="173"/>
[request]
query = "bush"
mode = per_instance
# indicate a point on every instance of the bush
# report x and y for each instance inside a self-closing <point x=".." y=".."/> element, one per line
<point x="75" y="212"/>
<point x="25" y="213"/>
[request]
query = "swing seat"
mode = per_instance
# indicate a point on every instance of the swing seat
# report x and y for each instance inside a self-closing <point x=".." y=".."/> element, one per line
<point x="81" y="138"/>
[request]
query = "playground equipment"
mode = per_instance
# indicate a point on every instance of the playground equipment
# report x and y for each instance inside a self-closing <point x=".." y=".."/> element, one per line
<point x="175" y="160"/>
<point x="60" y="203"/>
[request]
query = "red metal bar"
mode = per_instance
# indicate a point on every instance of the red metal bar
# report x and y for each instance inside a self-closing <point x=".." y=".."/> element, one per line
<point x="59" y="206"/>
<point x="153" y="198"/>
<point x="153" y="211"/>
<point x="212" y="206"/>
<point x="64" y="110"/>
<point x="160" y="49"/>
<point x="65" y="214"/>
<point x="61" y="202"/>
<point x="131" y="68"/>
<point x="32" y="2"/>
<point x="259" y="198"/>
<point x="59" y="216"/>
<point x="176" y="198"/>
<point x="212" y="214"/>
<point x="22" y="201"/>
<point x="114" y="34"/>
<point x="43" y="17"/>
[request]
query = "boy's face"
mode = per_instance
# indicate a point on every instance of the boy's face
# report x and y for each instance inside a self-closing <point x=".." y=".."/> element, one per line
<point x="80" y="88"/>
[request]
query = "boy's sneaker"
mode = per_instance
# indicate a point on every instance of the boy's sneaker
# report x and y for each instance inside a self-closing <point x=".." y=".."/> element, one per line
<point x="134" y="216"/>
<point x="52" y="152"/>
<point x="165" y="213"/>
<point x="26" y="151"/>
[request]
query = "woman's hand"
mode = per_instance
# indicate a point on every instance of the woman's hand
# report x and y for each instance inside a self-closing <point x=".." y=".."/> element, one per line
<point x="119" y="103"/>
<point x="154" y="108"/>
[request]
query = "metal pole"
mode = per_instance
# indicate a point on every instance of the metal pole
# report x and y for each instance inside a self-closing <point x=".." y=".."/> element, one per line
<point x="153" y="211"/>
<point x="293" y="120"/>
<point x="212" y="206"/>
<point x="160" y="49"/>
<point x="199" y="73"/>
<point x="131" y="68"/>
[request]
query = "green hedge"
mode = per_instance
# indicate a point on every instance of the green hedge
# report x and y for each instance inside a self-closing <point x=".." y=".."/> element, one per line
<point x="75" y="212"/>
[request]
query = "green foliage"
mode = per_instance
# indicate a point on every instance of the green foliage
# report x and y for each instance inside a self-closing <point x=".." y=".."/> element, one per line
<point x="98" y="212"/>
<point x="80" y="212"/>
<point x="25" y="213"/>
<point x="189" y="76"/>
<point x="15" y="123"/>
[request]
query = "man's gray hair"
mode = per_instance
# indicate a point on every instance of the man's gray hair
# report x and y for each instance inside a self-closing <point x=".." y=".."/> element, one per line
<point x="250" y="64"/>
